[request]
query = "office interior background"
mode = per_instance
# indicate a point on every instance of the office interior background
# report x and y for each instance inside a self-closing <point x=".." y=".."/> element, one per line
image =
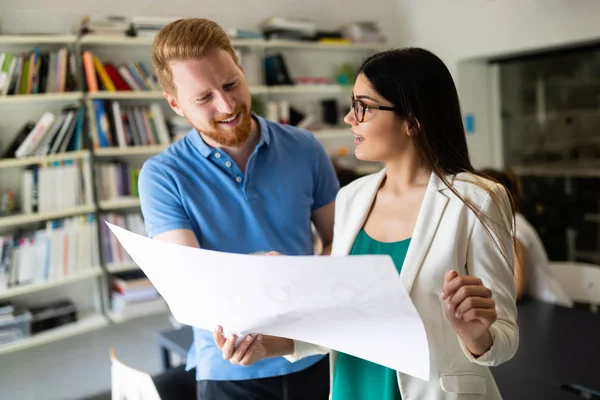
<point x="528" y="76"/>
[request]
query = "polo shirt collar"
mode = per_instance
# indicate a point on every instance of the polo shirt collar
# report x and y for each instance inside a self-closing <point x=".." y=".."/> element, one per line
<point x="206" y="150"/>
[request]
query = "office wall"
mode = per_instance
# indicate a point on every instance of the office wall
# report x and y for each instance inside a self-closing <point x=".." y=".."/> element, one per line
<point x="465" y="33"/>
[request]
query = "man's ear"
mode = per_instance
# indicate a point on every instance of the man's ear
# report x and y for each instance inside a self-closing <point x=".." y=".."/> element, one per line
<point x="173" y="104"/>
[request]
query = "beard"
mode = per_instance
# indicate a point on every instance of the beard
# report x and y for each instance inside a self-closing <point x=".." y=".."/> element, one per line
<point x="234" y="137"/>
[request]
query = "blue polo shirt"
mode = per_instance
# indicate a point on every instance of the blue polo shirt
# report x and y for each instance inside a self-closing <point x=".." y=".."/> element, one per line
<point x="194" y="186"/>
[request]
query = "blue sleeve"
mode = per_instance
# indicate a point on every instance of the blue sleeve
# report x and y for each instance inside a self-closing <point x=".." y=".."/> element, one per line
<point x="162" y="208"/>
<point x="326" y="180"/>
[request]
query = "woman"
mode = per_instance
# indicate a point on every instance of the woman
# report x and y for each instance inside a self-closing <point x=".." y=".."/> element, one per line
<point x="533" y="276"/>
<point x="447" y="229"/>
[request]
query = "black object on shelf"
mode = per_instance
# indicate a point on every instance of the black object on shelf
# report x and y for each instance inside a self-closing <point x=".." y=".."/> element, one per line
<point x="52" y="315"/>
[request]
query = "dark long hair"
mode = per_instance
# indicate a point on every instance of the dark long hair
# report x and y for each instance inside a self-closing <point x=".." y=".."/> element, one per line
<point x="422" y="91"/>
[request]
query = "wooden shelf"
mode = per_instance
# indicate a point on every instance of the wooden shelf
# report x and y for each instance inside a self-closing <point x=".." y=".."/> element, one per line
<point x="83" y="325"/>
<point x="119" y="204"/>
<point x="42" y="97"/>
<point x="36" y="287"/>
<point x="129" y="151"/>
<point x="33" y="160"/>
<point x="37" y="39"/>
<point x="22" y="219"/>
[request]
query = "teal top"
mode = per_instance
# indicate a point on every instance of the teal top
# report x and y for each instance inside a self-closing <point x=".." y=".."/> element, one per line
<point x="355" y="378"/>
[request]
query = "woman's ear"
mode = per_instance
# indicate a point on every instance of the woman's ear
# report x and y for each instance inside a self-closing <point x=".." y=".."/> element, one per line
<point x="412" y="126"/>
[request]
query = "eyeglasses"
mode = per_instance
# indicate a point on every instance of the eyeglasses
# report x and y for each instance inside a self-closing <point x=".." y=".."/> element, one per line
<point x="361" y="108"/>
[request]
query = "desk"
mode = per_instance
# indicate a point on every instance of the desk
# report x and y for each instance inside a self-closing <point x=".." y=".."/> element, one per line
<point x="557" y="345"/>
<point x="175" y="341"/>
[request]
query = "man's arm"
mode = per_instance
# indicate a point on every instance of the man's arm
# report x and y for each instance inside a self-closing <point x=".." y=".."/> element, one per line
<point x="322" y="218"/>
<point x="184" y="237"/>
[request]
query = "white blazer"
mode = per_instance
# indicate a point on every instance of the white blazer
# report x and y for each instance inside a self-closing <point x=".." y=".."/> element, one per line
<point x="447" y="236"/>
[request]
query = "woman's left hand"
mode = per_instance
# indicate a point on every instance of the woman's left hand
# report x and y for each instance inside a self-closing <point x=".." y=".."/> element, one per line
<point x="469" y="307"/>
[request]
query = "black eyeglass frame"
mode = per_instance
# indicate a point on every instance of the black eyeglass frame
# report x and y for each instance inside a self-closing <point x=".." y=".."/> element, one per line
<point x="367" y="107"/>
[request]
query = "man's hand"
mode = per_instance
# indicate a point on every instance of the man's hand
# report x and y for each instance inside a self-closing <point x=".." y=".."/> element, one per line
<point x="251" y="348"/>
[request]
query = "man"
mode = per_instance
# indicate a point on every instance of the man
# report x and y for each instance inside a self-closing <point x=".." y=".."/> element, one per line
<point x="236" y="183"/>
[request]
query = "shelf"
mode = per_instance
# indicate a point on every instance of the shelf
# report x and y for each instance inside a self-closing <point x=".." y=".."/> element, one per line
<point x="22" y="219"/>
<point x="36" y="287"/>
<point x="37" y="39"/>
<point x="33" y="160"/>
<point x="121" y="268"/>
<point x="85" y="324"/>
<point x="333" y="133"/>
<point x="42" y="97"/>
<point x="154" y="308"/>
<point x="119" y="204"/>
<point x="129" y="151"/>
<point x="116" y="40"/>
<point x="298" y="44"/>
<point x="300" y="89"/>
<point x="128" y="95"/>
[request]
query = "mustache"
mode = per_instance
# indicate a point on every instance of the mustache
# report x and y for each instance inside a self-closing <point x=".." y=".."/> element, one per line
<point x="229" y="116"/>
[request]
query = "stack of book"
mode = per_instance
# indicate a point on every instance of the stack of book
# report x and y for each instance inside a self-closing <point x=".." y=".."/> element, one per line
<point x="133" y="294"/>
<point x="14" y="324"/>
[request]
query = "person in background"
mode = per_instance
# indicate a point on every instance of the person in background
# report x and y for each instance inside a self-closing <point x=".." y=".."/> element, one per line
<point x="447" y="229"/>
<point x="533" y="276"/>
<point x="236" y="183"/>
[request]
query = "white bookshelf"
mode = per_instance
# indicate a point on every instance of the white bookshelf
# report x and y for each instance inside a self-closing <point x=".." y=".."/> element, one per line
<point x="37" y="287"/>
<point x="127" y="95"/>
<point x="33" y="160"/>
<point x="24" y="219"/>
<point x="152" y="308"/>
<point x="87" y="323"/>
<point x="21" y="108"/>
<point x="42" y="97"/>
<point x="310" y="45"/>
<point x="33" y="40"/>
<point x="115" y="268"/>
<point x="119" y="204"/>
<point x="129" y="151"/>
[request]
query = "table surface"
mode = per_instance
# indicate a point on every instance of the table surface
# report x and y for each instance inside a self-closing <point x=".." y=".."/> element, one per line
<point x="557" y="346"/>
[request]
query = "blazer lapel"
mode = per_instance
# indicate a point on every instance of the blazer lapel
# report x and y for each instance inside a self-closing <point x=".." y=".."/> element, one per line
<point x="428" y="221"/>
<point x="361" y="205"/>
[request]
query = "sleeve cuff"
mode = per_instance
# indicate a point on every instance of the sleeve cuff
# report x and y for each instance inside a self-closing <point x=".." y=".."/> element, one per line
<point x="486" y="358"/>
<point x="303" y="350"/>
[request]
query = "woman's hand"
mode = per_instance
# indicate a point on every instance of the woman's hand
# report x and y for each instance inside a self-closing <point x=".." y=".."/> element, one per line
<point x="469" y="307"/>
<point x="251" y="348"/>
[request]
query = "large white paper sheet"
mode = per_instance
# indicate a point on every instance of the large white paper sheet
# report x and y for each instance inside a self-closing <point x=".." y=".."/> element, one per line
<point x="353" y="304"/>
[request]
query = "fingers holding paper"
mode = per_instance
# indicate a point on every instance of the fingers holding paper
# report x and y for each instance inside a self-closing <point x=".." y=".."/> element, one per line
<point x="248" y="351"/>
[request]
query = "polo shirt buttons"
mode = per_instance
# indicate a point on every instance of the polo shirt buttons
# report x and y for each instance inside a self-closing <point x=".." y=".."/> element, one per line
<point x="228" y="164"/>
<point x="238" y="179"/>
<point x="218" y="155"/>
